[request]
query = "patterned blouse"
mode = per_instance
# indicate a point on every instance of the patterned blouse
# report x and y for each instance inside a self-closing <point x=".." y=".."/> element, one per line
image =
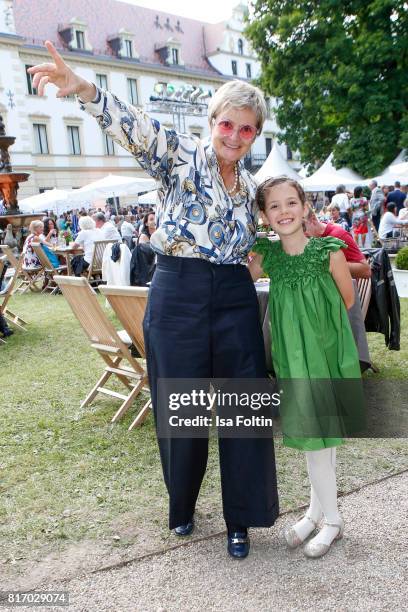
<point x="196" y="217"/>
<point x="30" y="258"/>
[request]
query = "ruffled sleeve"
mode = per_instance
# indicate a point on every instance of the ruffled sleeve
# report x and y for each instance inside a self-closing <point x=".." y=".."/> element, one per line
<point x="262" y="246"/>
<point x="331" y="244"/>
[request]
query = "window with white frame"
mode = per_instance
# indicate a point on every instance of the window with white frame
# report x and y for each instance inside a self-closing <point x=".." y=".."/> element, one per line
<point x="234" y="67"/>
<point x="31" y="90"/>
<point x="248" y="71"/>
<point x="128" y="47"/>
<point x="80" y="39"/>
<point x="40" y="139"/>
<point x="74" y="142"/>
<point x="108" y="145"/>
<point x="175" y="55"/>
<point x="240" y="46"/>
<point x="102" y="81"/>
<point x="268" y="107"/>
<point x="132" y="91"/>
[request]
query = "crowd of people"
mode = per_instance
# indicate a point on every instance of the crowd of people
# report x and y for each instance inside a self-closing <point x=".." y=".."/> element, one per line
<point x="132" y="225"/>
<point x="384" y="209"/>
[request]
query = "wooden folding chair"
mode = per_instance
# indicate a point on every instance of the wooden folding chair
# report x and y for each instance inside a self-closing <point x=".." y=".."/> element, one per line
<point x="129" y="305"/>
<point x="106" y="341"/>
<point x="31" y="278"/>
<point x="5" y="295"/>
<point x="94" y="272"/>
<point x="3" y="260"/>
<point x="50" y="271"/>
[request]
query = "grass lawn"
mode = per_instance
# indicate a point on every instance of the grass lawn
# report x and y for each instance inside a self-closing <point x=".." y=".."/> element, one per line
<point x="77" y="492"/>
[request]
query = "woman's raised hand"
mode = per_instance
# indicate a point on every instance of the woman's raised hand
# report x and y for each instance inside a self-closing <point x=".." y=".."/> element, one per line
<point x="60" y="74"/>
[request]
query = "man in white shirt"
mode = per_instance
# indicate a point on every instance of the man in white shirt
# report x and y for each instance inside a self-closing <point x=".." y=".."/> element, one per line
<point x="341" y="200"/>
<point x="128" y="231"/>
<point x="389" y="222"/>
<point x="107" y="229"/>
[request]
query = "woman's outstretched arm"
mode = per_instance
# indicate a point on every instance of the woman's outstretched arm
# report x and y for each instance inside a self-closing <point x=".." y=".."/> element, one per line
<point x="154" y="147"/>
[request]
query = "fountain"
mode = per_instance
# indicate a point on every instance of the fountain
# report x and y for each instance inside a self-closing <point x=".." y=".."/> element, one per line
<point x="9" y="181"/>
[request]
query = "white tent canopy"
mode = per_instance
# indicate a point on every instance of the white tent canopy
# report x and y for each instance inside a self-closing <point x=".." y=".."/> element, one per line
<point x="112" y="186"/>
<point x="401" y="168"/>
<point x="327" y="178"/>
<point x="57" y="200"/>
<point x="148" y="198"/>
<point x="275" y="165"/>
<point x="393" y="172"/>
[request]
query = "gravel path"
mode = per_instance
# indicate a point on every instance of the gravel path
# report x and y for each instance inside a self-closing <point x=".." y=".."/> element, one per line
<point x="366" y="571"/>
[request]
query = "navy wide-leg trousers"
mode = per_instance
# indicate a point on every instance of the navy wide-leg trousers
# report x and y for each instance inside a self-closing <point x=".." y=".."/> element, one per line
<point x="202" y="321"/>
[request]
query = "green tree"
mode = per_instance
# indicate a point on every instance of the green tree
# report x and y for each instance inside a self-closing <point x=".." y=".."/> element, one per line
<point x="338" y="69"/>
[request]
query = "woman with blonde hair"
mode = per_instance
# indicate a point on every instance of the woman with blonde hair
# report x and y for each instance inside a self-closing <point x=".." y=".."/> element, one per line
<point x="30" y="261"/>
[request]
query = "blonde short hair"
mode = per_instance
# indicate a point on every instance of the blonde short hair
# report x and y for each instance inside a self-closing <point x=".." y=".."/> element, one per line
<point x="86" y="223"/>
<point x="238" y="94"/>
<point x="35" y="225"/>
<point x="333" y="206"/>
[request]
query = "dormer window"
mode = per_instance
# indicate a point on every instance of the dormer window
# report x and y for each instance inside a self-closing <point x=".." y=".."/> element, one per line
<point x="122" y="44"/>
<point x="170" y="53"/>
<point x="75" y="35"/>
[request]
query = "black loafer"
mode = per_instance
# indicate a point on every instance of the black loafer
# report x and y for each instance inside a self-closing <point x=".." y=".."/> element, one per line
<point x="238" y="544"/>
<point x="185" y="530"/>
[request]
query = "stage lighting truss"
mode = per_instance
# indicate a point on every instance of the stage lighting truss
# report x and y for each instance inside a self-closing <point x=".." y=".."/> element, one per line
<point x="179" y="101"/>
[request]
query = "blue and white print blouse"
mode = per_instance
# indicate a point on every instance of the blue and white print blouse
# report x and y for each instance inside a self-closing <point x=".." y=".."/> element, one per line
<point x="196" y="216"/>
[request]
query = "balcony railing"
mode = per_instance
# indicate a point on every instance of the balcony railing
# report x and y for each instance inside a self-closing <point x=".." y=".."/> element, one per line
<point x="252" y="162"/>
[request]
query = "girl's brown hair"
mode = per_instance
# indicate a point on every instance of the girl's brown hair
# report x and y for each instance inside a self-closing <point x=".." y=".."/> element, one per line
<point x="264" y="187"/>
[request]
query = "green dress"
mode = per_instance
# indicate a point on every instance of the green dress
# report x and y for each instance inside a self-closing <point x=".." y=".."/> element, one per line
<point x="313" y="349"/>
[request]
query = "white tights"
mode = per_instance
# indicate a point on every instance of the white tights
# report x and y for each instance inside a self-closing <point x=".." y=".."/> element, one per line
<point x="321" y="467"/>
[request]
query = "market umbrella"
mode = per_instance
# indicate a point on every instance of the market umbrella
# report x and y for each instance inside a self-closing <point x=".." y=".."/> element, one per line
<point x="112" y="186"/>
<point x="148" y="198"/>
<point x="57" y="200"/>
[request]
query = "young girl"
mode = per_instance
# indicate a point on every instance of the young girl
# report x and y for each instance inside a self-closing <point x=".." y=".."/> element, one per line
<point x="359" y="208"/>
<point x="313" y="350"/>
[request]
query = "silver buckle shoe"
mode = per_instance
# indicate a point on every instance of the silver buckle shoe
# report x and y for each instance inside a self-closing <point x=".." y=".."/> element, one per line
<point x="293" y="540"/>
<point x="315" y="550"/>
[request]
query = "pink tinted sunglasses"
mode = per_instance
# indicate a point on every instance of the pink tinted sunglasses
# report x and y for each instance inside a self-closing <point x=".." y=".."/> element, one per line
<point x="226" y="127"/>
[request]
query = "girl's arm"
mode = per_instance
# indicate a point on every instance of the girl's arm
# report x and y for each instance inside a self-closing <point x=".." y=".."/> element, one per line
<point x="342" y="277"/>
<point x="255" y="267"/>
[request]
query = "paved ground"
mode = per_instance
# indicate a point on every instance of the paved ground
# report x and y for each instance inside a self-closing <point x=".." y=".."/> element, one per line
<point x="367" y="571"/>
